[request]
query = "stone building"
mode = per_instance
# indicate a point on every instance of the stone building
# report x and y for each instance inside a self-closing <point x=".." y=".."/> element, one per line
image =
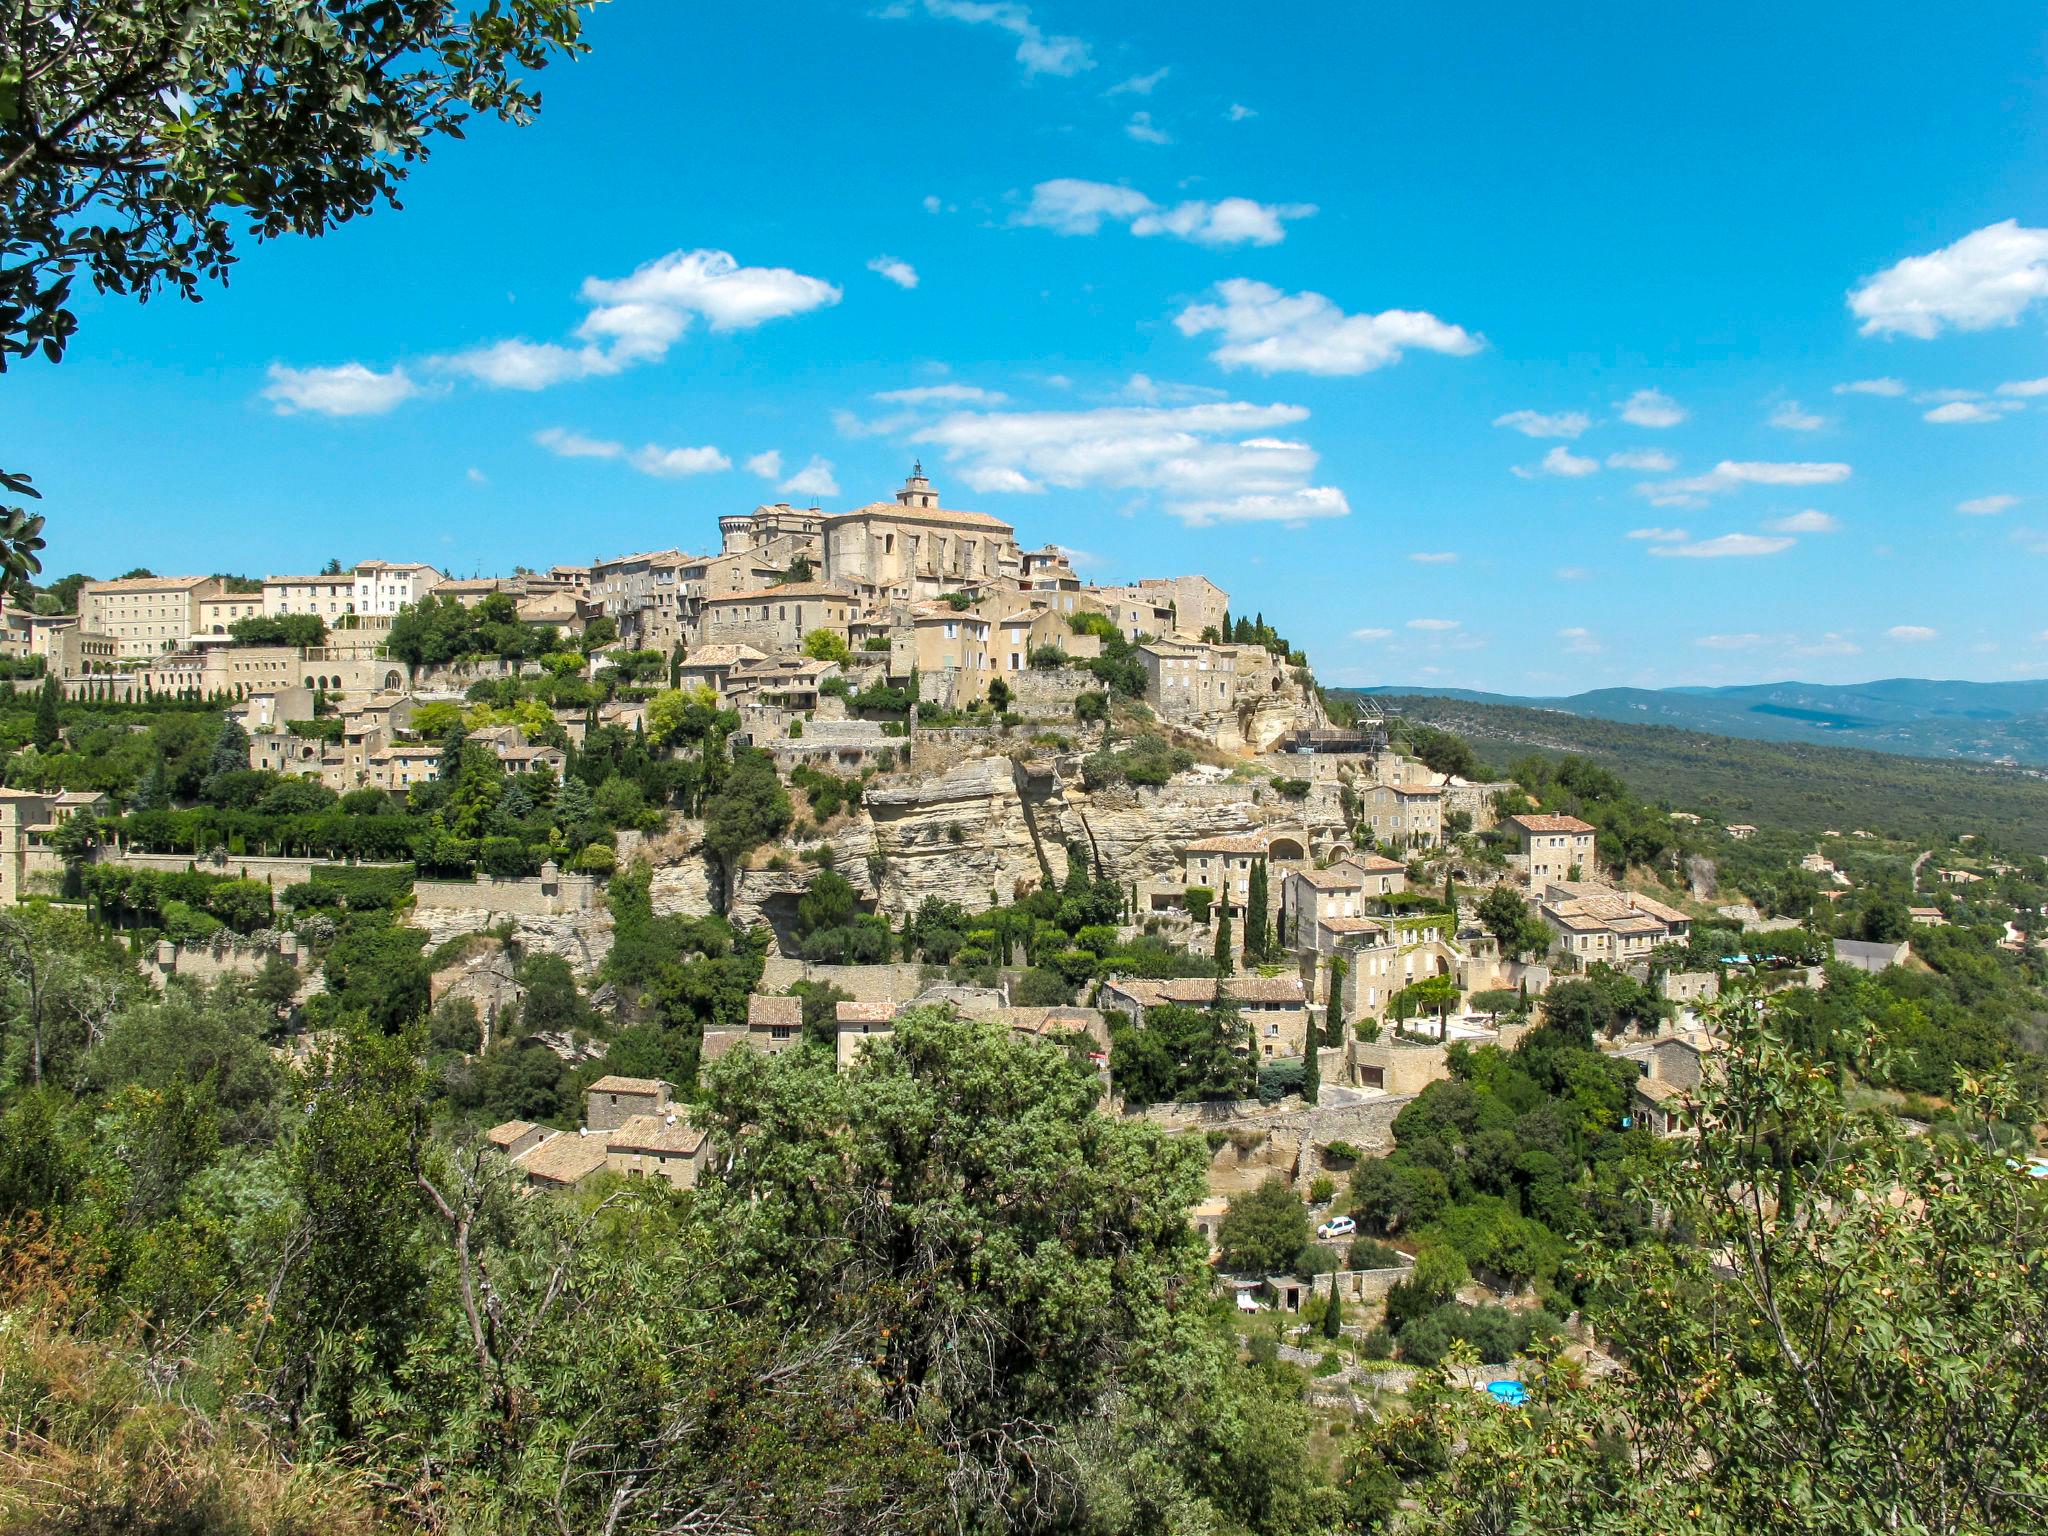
<point x="1557" y="847"/>
<point x="913" y="549"/>
<point x="383" y="587"/>
<point x="327" y="597"/>
<point x="145" y="615"/>
<point x="610" y="1102"/>
<point x="776" y="619"/>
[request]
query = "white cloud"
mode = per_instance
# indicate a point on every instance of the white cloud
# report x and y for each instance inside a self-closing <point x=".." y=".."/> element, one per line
<point x="1987" y="278"/>
<point x="1227" y="221"/>
<point x="1832" y="643"/>
<point x="944" y="394"/>
<point x="1070" y="206"/>
<point x="1209" y="462"/>
<point x="574" y="445"/>
<point x="1986" y="506"/>
<point x="1433" y="626"/>
<point x="901" y="273"/>
<point x="1435" y="557"/>
<point x="1966" y="412"/>
<point x="1809" y="521"/>
<point x="347" y="389"/>
<point x="675" y="463"/>
<point x="1580" y="642"/>
<point x="1274" y="332"/>
<point x="767" y="465"/>
<point x="1659" y="535"/>
<point x="1239" y="112"/>
<point x="1731" y="475"/>
<point x="1651" y="408"/>
<point x="1573" y="573"/>
<point x="1001" y="478"/>
<point x="1146" y="390"/>
<point x="2025" y="388"/>
<point x="1372" y="634"/>
<point x="932" y="203"/>
<point x="1140" y="85"/>
<point x="1545" y="424"/>
<point x="476" y="476"/>
<point x="652" y="459"/>
<point x="1040" y="52"/>
<point x="1145" y="131"/>
<point x="1911" y="634"/>
<point x="1728" y="545"/>
<point x="1655" y="460"/>
<point x="1562" y="461"/>
<point x="814" y="479"/>
<point x="1935" y="396"/>
<point x="1310" y="503"/>
<point x="1741" y="642"/>
<point x="637" y="318"/>
<point x="1887" y="387"/>
<point x="1790" y="417"/>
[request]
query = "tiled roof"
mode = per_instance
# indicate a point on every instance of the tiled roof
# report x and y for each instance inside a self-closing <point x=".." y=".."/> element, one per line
<point x="1335" y="878"/>
<point x="1547" y="823"/>
<point x="1658" y="1091"/>
<point x="650" y="1085"/>
<point x="1253" y="843"/>
<point x="764" y="1012"/>
<point x="655" y="1133"/>
<point x="722" y="656"/>
<point x="564" y="1159"/>
<point x="865" y="1013"/>
<point x="504" y="1135"/>
<point x="1376" y="864"/>
<point x="1352" y="925"/>
<point x="794" y="589"/>
<point x="146" y="583"/>
<point x="897" y="512"/>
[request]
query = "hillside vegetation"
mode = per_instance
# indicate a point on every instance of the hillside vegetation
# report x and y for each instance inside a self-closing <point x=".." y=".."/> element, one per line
<point x="1792" y="785"/>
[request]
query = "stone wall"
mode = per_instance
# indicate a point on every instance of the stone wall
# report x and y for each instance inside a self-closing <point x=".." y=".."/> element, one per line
<point x="542" y="895"/>
<point x="1285" y="1139"/>
<point x="205" y="963"/>
<point x="893" y="984"/>
<point x="274" y="871"/>
<point x="1049" y="692"/>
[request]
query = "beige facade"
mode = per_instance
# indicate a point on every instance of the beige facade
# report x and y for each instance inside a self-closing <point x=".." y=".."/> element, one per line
<point x="326" y="597"/>
<point x="27" y="820"/>
<point x="1594" y="922"/>
<point x="610" y="1102"/>
<point x="664" y="1146"/>
<point x="1274" y="1008"/>
<point x="216" y="613"/>
<point x="1557" y="847"/>
<point x="914" y="549"/>
<point x="145" y="615"/>
<point x="1405" y="816"/>
<point x="776" y="619"/>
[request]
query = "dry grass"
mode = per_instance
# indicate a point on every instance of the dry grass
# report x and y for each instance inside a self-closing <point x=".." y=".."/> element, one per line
<point x="93" y="1444"/>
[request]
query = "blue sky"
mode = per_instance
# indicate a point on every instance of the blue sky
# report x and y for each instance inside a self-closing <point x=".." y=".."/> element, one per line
<point x="1503" y="349"/>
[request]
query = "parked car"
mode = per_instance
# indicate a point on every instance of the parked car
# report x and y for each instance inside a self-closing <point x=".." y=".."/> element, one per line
<point x="1337" y="1226"/>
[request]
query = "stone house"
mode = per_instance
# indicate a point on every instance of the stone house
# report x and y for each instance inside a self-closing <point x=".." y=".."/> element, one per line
<point x="1557" y="847"/>
<point x="913" y="549"/>
<point x="383" y="587"/>
<point x="611" y="1101"/>
<point x="776" y="619"/>
<point x="1405" y="815"/>
<point x="1595" y="922"/>
<point x="326" y="597"/>
<point x="663" y="1146"/>
<point x="145" y="615"/>
<point x="28" y="820"/>
<point x="1274" y="1007"/>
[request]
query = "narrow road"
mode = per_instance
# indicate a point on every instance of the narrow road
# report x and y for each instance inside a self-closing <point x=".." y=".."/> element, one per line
<point x="1916" y="867"/>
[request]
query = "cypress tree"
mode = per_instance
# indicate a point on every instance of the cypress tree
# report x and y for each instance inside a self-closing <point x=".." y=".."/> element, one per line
<point x="48" y="729"/>
<point x="1311" y="1068"/>
<point x="1258" y="941"/>
<point x="1226" y="961"/>
<point x="1333" y="1316"/>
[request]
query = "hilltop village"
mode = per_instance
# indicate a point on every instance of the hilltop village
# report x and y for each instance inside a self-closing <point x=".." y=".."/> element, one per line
<point x="649" y="811"/>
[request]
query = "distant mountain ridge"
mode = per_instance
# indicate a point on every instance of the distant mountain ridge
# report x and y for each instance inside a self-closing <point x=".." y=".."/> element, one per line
<point x="1911" y="716"/>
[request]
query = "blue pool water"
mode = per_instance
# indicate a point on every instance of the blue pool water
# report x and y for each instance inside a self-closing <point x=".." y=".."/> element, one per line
<point x="1512" y="1393"/>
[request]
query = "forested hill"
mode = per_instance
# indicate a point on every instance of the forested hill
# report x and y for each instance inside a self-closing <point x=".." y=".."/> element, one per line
<point x="1909" y="716"/>
<point x="1789" y="784"/>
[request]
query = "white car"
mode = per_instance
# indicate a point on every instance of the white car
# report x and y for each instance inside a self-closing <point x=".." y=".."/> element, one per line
<point x="1337" y="1226"/>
